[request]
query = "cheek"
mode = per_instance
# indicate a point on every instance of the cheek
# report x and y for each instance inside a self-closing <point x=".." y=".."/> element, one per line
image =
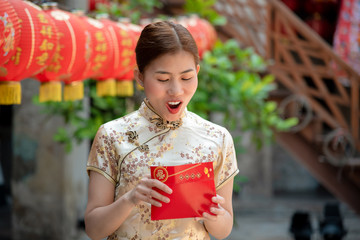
<point x="152" y="88"/>
<point x="194" y="86"/>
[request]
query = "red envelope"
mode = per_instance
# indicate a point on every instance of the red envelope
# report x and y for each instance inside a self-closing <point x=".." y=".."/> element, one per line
<point x="193" y="187"/>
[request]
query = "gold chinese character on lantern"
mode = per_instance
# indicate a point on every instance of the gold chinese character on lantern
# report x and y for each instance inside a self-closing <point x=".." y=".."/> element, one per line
<point x="126" y="42"/>
<point x="46" y="45"/>
<point x="42" y="58"/>
<point x="99" y="37"/>
<point x="46" y="31"/>
<point x="16" y="56"/>
<point x="102" y="47"/>
<point x="127" y="53"/>
<point x="42" y="18"/>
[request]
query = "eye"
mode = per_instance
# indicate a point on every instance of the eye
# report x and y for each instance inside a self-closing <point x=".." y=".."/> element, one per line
<point x="163" y="80"/>
<point x="185" y="79"/>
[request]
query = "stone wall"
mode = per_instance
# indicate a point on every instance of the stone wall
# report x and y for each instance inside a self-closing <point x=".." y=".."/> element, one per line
<point x="49" y="186"/>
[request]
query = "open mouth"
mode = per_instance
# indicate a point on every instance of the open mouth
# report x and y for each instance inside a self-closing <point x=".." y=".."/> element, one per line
<point x="174" y="107"/>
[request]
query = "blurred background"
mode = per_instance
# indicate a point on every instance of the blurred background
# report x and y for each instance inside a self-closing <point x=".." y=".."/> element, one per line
<point x="282" y="76"/>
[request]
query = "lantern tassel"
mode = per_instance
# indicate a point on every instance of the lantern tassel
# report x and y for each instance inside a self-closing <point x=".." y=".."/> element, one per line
<point x="10" y="92"/>
<point x="50" y="91"/>
<point x="124" y="88"/>
<point x="106" y="87"/>
<point x="74" y="91"/>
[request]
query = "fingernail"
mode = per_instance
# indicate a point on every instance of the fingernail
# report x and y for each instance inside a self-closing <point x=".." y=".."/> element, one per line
<point x="167" y="200"/>
<point x="158" y="204"/>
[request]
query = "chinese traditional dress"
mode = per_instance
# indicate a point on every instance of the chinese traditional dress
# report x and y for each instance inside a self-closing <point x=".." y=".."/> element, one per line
<point x="124" y="149"/>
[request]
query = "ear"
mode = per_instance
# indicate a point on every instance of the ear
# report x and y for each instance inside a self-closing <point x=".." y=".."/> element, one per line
<point x="139" y="77"/>
<point x="197" y="69"/>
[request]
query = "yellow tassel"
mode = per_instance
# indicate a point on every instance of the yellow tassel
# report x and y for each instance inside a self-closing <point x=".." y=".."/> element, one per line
<point x="74" y="91"/>
<point x="10" y="92"/>
<point x="124" y="88"/>
<point x="106" y="87"/>
<point x="50" y="91"/>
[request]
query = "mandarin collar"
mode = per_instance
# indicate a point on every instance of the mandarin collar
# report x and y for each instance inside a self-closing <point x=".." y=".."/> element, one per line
<point x="147" y="111"/>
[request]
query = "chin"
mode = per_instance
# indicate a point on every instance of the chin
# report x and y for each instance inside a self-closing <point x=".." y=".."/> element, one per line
<point x="173" y="117"/>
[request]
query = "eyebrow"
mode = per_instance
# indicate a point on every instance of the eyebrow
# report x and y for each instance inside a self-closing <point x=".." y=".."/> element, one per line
<point x="186" y="71"/>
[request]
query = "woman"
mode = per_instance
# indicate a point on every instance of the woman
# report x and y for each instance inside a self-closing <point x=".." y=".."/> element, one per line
<point x="160" y="132"/>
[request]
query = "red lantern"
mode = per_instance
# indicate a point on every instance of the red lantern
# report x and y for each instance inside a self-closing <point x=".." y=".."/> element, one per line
<point x="210" y="33"/>
<point x="36" y="46"/>
<point x="194" y="25"/>
<point x="9" y="31"/>
<point x="125" y="77"/>
<point x="69" y="60"/>
<point x="101" y="46"/>
<point x="93" y="3"/>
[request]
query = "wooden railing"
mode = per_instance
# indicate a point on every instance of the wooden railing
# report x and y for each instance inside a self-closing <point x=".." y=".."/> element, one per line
<point x="320" y="89"/>
<point x="322" y="85"/>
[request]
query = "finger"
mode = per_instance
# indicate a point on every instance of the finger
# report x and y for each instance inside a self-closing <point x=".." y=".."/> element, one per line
<point x="154" y="194"/>
<point x="208" y="216"/>
<point x="217" y="211"/>
<point x="156" y="183"/>
<point x="218" y="199"/>
<point x="147" y="198"/>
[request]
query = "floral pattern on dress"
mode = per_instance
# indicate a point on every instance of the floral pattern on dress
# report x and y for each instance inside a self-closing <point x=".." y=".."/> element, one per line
<point x="116" y="153"/>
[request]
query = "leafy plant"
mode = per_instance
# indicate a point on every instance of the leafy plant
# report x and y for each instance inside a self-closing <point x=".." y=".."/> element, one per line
<point x="204" y="9"/>
<point x="132" y="9"/>
<point x="231" y="83"/>
<point x="81" y="126"/>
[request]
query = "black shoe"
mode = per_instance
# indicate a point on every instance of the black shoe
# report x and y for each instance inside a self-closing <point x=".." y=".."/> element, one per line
<point x="331" y="227"/>
<point x="300" y="226"/>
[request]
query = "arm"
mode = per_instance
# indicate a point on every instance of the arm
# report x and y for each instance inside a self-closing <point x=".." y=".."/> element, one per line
<point x="103" y="215"/>
<point x="220" y="226"/>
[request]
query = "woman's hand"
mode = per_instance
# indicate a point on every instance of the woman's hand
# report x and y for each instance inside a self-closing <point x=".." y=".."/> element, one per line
<point x="144" y="192"/>
<point x="216" y="209"/>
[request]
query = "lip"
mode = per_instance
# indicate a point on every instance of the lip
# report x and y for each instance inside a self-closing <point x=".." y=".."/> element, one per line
<point x="174" y="110"/>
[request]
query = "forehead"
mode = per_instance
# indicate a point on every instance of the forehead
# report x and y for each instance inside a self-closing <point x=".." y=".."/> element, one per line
<point x="172" y="63"/>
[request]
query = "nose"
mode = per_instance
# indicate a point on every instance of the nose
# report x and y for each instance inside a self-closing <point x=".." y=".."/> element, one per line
<point x="175" y="88"/>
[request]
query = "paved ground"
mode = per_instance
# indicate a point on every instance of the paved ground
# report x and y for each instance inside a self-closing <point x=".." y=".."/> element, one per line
<point x="269" y="219"/>
<point x="260" y="218"/>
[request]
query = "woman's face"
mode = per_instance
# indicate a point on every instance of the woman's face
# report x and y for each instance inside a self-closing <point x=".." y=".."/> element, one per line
<point x="169" y="83"/>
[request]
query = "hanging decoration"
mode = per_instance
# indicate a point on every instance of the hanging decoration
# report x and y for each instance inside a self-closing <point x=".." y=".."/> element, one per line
<point x="202" y="31"/>
<point x="9" y="31"/>
<point x="69" y="60"/>
<point x="58" y="47"/>
<point x="33" y="53"/>
<point x="130" y="34"/>
<point x="93" y="4"/>
<point x="347" y="34"/>
<point x="210" y="33"/>
<point x="104" y="50"/>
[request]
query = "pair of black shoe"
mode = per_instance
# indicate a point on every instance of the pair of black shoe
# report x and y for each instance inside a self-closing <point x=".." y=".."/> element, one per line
<point x="330" y="226"/>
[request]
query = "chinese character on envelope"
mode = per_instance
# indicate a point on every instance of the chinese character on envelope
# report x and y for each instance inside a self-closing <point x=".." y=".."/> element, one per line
<point x="193" y="187"/>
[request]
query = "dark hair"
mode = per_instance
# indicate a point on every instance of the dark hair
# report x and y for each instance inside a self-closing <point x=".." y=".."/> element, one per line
<point x="163" y="37"/>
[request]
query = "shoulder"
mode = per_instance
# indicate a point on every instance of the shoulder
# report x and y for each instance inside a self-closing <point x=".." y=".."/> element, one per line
<point x="127" y="120"/>
<point x="201" y="125"/>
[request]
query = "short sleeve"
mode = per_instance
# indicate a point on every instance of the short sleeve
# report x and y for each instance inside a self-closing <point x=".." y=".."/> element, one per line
<point x="226" y="166"/>
<point x="102" y="157"/>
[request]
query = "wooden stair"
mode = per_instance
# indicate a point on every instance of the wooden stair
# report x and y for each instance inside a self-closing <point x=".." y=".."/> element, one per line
<point x="320" y="89"/>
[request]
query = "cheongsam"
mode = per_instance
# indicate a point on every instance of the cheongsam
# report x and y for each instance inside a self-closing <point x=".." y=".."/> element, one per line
<point x="124" y="149"/>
